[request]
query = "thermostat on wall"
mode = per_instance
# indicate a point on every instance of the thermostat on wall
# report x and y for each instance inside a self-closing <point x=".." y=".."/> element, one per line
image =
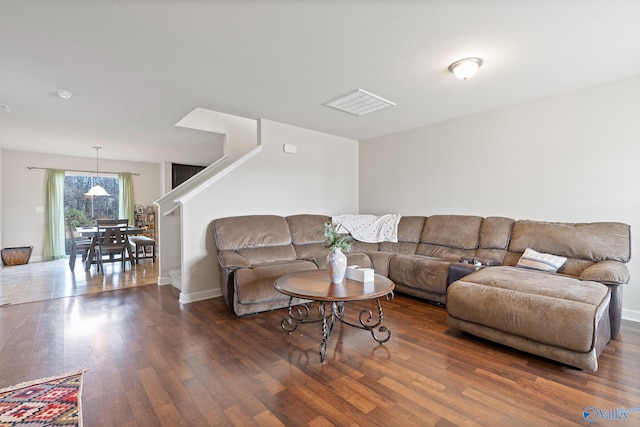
<point x="290" y="148"/>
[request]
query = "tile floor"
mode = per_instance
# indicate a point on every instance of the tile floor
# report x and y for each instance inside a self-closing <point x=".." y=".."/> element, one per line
<point x="38" y="281"/>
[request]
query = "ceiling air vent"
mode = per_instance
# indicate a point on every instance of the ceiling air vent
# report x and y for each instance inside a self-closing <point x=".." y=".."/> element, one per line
<point x="359" y="103"/>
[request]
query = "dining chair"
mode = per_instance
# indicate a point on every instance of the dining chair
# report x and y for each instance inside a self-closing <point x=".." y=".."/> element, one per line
<point x="78" y="243"/>
<point x="112" y="240"/>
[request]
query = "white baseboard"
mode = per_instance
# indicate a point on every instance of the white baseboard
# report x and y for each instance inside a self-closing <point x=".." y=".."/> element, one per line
<point x="199" y="296"/>
<point x="175" y="276"/>
<point x="632" y="315"/>
<point x="164" y="280"/>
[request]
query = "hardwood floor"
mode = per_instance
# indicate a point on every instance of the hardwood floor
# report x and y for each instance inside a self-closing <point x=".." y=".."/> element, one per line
<point x="151" y="361"/>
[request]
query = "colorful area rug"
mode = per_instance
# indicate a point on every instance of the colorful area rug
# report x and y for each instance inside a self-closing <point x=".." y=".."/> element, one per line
<point x="51" y="401"/>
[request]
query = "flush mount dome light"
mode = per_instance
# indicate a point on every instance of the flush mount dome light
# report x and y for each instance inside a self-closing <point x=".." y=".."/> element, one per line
<point x="64" y="94"/>
<point x="465" y="68"/>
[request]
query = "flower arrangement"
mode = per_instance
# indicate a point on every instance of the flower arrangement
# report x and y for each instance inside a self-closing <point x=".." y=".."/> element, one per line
<point x="335" y="240"/>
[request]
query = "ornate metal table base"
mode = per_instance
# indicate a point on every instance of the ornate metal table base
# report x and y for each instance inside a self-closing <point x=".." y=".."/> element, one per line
<point x="300" y="314"/>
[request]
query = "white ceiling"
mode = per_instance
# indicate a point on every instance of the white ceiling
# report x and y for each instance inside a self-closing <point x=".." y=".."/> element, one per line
<point x="139" y="66"/>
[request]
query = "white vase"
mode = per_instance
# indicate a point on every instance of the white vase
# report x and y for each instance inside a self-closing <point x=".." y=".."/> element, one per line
<point x="337" y="266"/>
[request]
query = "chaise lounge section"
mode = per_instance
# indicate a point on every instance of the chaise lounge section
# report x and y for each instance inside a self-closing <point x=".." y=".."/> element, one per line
<point x="557" y="317"/>
<point x="568" y="316"/>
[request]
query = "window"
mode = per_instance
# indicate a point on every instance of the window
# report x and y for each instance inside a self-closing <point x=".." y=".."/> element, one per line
<point x="81" y="209"/>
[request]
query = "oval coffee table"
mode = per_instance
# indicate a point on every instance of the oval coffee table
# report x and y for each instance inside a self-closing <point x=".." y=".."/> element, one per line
<point x="315" y="285"/>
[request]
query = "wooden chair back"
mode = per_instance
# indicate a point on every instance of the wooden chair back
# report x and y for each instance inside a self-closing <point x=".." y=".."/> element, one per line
<point x="112" y="233"/>
<point x="78" y="243"/>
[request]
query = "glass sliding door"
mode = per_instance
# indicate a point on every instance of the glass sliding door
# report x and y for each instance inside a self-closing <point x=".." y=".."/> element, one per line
<point x="83" y="210"/>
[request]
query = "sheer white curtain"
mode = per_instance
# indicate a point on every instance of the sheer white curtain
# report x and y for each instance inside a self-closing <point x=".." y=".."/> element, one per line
<point x="126" y="200"/>
<point x="54" y="215"/>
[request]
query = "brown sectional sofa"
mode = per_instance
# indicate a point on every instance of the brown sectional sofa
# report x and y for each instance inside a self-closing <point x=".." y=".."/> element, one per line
<point x="568" y="316"/>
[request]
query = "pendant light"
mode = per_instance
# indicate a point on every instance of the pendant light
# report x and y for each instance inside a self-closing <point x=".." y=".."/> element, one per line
<point x="97" y="189"/>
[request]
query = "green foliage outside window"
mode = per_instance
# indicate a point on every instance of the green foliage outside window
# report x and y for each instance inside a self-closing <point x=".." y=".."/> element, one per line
<point x="81" y="209"/>
<point x="84" y="209"/>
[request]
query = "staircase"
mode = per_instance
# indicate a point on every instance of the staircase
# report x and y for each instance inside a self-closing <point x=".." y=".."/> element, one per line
<point x="241" y="142"/>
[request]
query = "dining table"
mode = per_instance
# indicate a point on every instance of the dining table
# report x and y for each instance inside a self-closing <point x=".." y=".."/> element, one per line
<point x="92" y="233"/>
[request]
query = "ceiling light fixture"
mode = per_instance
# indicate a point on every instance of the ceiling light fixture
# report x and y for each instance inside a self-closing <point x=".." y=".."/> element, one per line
<point x="97" y="189"/>
<point x="465" y="68"/>
<point x="359" y="103"/>
<point x="64" y="94"/>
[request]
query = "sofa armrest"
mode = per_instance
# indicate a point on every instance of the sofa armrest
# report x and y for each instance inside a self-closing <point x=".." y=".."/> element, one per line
<point x="607" y="272"/>
<point x="232" y="260"/>
<point x="380" y="261"/>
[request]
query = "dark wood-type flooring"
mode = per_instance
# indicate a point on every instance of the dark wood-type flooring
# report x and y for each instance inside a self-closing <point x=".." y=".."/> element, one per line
<point x="151" y="361"/>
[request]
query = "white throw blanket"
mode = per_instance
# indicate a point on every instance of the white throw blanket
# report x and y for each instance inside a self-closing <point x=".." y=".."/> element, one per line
<point x="369" y="228"/>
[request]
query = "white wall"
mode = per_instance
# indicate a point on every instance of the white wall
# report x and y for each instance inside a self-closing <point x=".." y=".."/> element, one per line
<point x="321" y="178"/>
<point x="570" y="158"/>
<point x="23" y="191"/>
<point x="1" y="185"/>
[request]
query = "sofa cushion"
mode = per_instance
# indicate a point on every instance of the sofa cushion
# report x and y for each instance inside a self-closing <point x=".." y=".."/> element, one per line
<point x="495" y="232"/>
<point x="398" y="247"/>
<point x="455" y="231"/>
<point x="232" y="260"/>
<point x="311" y="251"/>
<point x="547" y="308"/>
<point x="410" y="228"/>
<point x="420" y="272"/>
<point x="268" y="254"/>
<point x="251" y="231"/>
<point x="597" y="241"/>
<point x="540" y="261"/>
<point x="357" y="246"/>
<point x="409" y="232"/>
<point x="255" y="285"/>
<point x="444" y="252"/>
<point x="307" y="228"/>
